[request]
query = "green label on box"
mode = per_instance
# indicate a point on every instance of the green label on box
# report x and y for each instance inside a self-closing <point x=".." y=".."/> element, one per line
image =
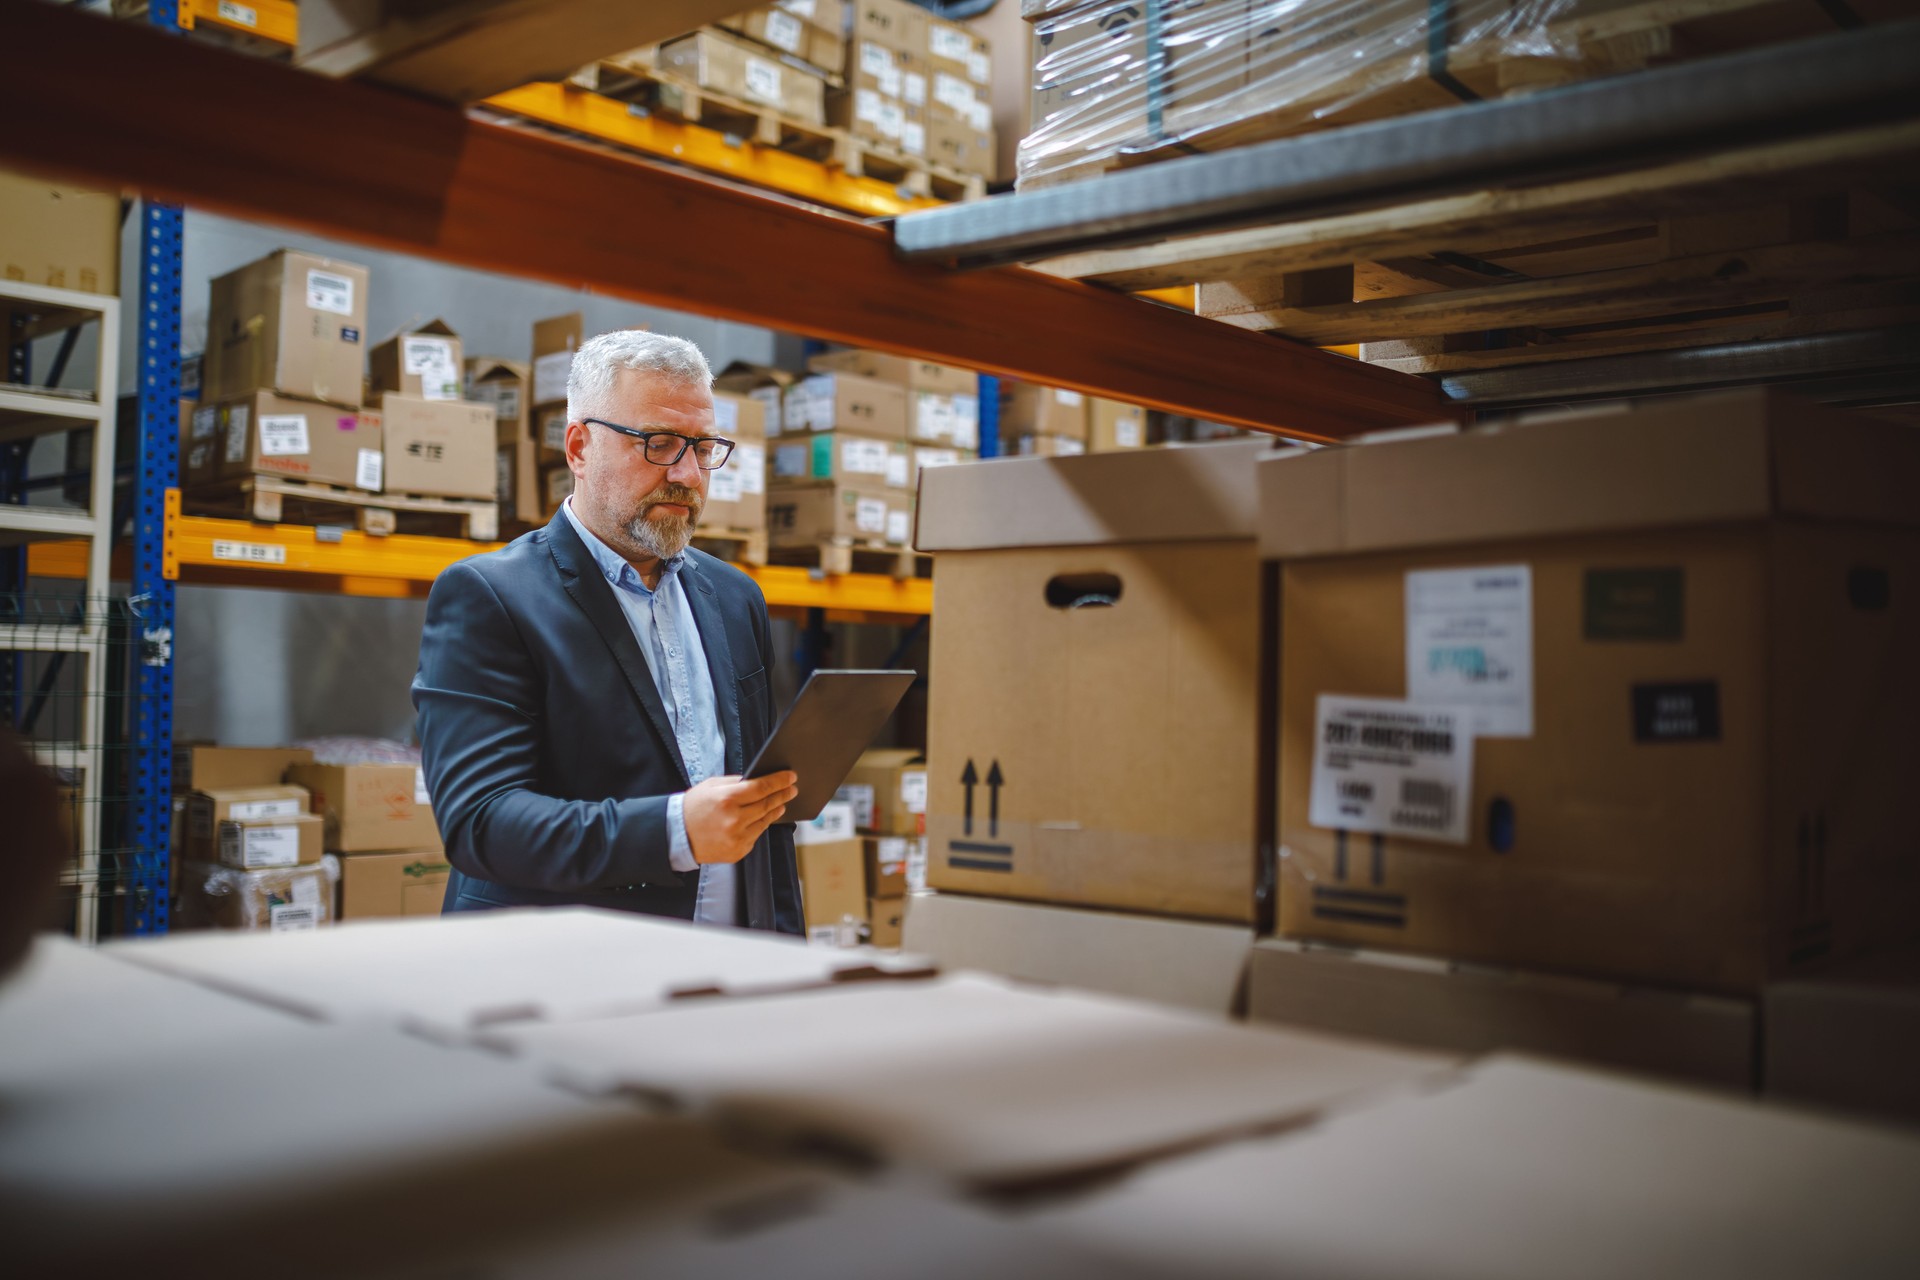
<point x="822" y="468"/>
<point x="1635" y="604"/>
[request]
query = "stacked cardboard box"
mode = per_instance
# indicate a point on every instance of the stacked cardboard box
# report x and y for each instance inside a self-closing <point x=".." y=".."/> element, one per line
<point x="751" y="72"/>
<point x="247" y="846"/>
<point x="812" y="32"/>
<point x="506" y="386"/>
<point x="379" y="822"/>
<point x="888" y="793"/>
<point x="438" y="444"/>
<point x="737" y="492"/>
<point x="554" y="342"/>
<point x="1052" y="422"/>
<point x="885" y="98"/>
<point x="842" y="467"/>
<point x="59" y="236"/>
<point x="959" y="111"/>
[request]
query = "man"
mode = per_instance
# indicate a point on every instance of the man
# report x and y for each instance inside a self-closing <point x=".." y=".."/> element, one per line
<point x="589" y="694"/>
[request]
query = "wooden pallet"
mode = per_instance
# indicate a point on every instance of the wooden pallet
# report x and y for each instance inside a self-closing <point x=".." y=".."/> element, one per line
<point x="914" y="175"/>
<point x="648" y="91"/>
<point x="1814" y="235"/>
<point x="273" y="500"/>
<point x="739" y="546"/>
<point x="844" y="555"/>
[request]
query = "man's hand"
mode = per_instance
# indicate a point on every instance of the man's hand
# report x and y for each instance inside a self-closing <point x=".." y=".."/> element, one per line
<point x="726" y="815"/>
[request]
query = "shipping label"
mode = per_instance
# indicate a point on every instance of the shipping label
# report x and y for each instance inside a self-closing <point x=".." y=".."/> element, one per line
<point x="784" y="31"/>
<point x="306" y="891"/>
<point x="248" y="810"/>
<point x="205" y="422"/>
<point x="257" y="847"/>
<point x="431" y="360"/>
<point x="763" y="80"/>
<point x="328" y="291"/>
<point x="726" y="417"/>
<point x="369" y="470"/>
<point x="913" y="790"/>
<point x="751" y="463"/>
<point x="861" y="798"/>
<point x="913" y="87"/>
<point x="550" y="376"/>
<point x="237" y="420"/>
<point x="1470" y="643"/>
<point x="870" y="516"/>
<point x="724" y="485"/>
<point x="899" y="527"/>
<point x="1399" y="768"/>
<point x="835" y="823"/>
<point x="899" y="470"/>
<point x="283" y="435"/>
<point x="864" y="457"/>
<point x="293" y="917"/>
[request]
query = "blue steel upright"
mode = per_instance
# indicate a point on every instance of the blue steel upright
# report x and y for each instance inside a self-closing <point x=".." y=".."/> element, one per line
<point x="989" y="416"/>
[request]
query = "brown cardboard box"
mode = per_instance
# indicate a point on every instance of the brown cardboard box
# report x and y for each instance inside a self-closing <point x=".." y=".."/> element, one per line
<point x="268" y="435"/>
<point x="1644" y="708"/>
<point x="739" y="417"/>
<point x="209" y="807"/>
<point x="1113" y="425"/>
<point x="741" y="70"/>
<point x="894" y="23"/>
<point x="375" y="885"/>
<point x="960" y="53"/>
<point x="790" y="33"/>
<point x="554" y="342"/>
<point x="206" y="767"/>
<point x="884" y="919"/>
<point x="888" y="791"/>
<point x="550" y="434"/>
<point x="887" y="858"/>
<point x="845" y="402"/>
<point x="872" y="115"/>
<point x="813" y="512"/>
<point x="369" y="806"/>
<point x="270" y="899"/>
<point x="1189" y="963"/>
<point x="425" y="362"/>
<point x="556" y="484"/>
<point x="946" y="418"/>
<point x="960" y="144"/>
<point x="759" y="382"/>
<point x="1029" y="410"/>
<point x="1062" y="764"/>
<point x="293" y="323"/>
<point x="914" y="375"/>
<point x="269" y="842"/>
<point x="59" y="236"/>
<point x="1848" y="1038"/>
<point x="1047" y="446"/>
<point x="737" y="492"/>
<point x="504" y="385"/>
<point x="438" y="447"/>
<point x="833" y="890"/>
<point x="517" y="482"/>
<point x="837" y="455"/>
<point x="1436" y="1004"/>
<point x="201" y="450"/>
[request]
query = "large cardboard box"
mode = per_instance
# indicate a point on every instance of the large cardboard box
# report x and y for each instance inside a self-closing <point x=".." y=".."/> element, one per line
<point x="207" y="767"/>
<point x="255" y="843"/>
<point x="887" y="858"/>
<point x="291" y="899"/>
<point x="836" y="455"/>
<point x="888" y="790"/>
<point x="262" y="434"/>
<point x="833" y="890"/>
<point x="504" y="384"/>
<point x="748" y="72"/>
<point x="1190" y="963"/>
<point x="949" y="418"/>
<point x="885" y="919"/>
<point x="789" y="32"/>
<point x="1027" y="409"/>
<point x="810" y="513"/>
<point x="1104" y="749"/>
<point x="963" y="145"/>
<point x="914" y="375"/>
<point x="442" y="448"/>
<point x="292" y="322"/>
<point x="1848" y="1038"/>
<point x="1620" y="694"/>
<point x="408" y="883"/>
<point x="894" y="23"/>
<point x="369" y="806"/>
<point x="425" y="362"/>
<point x="1475" y="1009"/>
<point x="846" y="402"/>
<point x="872" y="115"/>
<point x="59" y="236"/>
<point x="209" y="807"/>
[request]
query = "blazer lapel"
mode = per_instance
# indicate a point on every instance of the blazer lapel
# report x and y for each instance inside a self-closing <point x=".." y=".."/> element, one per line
<point x="720" y="665"/>
<point x="581" y="578"/>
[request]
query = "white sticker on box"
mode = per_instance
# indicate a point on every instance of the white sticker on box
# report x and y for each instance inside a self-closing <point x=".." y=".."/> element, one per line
<point x="726" y="416"/>
<point x="790" y="460"/>
<point x="306" y="891"/>
<point x="431" y="360"/>
<point x="751" y="459"/>
<point x="954" y="92"/>
<point x="979" y="67"/>
<point x="966" y="411"/>
<point x="198" y="456"/>
<point x="550" y="376"/>
<point x="292" y="917"/>
<point x="249" y="810"/>
<point x="1126" y="431"/>
<point x="890" y="80"/>
<point x="420" y="795"/>
<point x="834" y="823"/>
<point x="763" y="80"/>
<point x="914" y="89"/>
<point x="553" y="432"/>
<point x="913" y="790"/>
<point x="899" y="527"/>
<point x="784" y="31"/>
<point x="282" y="435"/>
<point x="506" y="401"/>
<point x="249" y="552"/>
<point x="239" y="14"/>
<point x="503" y="475"/>
<point x="257" y="847"/>
<point x="860" y="796"/>
<point x="924" y="458"/>
<point x="805" y="8"/>
<point x="370" y="470"/>
<point x="899" y="470"/>
<point x="823" y="935"/>
<point x="917" y="864"/>
<point x="979" y="116"/>
<point x="891" y="850"/>
<point x="874" y="59"/>
<point x="966" y="432"/>
<point x="1398" y="768"/>
<point x="863" y="457"/>
<point x="1470" y="643"/>
<point x="1068" y="447"/>
<point x="1072" y="399"/>
<point x="724" y="485"/>
<point x="327" y="291"/>
<point x="237" y="433"/>
<point x="913" y="138"/>
<point x="870" y="515"/>
<point x="205" y="423"/>
<point x="933" y="417"/>
<point x="893" y="119"/>
<point x="947" y="43"/>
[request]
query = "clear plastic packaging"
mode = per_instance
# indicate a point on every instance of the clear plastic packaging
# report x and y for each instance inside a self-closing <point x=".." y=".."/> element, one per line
<point x="275" y="899"/>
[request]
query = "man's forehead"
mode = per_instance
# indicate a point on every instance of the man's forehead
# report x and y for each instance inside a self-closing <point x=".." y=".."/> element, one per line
<point x="648" y="393"/>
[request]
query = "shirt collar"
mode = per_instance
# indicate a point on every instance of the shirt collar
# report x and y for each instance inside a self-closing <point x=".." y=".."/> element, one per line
<point x="613" y="566"/>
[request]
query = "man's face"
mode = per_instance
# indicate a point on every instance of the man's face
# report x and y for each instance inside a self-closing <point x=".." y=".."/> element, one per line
<point x="642" y="509"/>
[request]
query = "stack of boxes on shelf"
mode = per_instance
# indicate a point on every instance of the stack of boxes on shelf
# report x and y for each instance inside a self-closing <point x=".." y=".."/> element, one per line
<point x="737" y="492"/>
<point x="783" y="57"/>
<point x="379" y="822"/>
<point x="857" y="858"/>
<point x="1052" y="422"/>
<point x="918" y="84"/>
<point x="1573" y="737"/>
<point x="438" y="444"/>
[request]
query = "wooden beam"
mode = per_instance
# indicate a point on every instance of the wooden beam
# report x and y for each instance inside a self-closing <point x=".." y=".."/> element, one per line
<point x="258" y="140"/>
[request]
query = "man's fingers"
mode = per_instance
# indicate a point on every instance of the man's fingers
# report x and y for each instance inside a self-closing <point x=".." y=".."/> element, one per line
<point x="778" y="800"/>
<point x="760" y="788"/>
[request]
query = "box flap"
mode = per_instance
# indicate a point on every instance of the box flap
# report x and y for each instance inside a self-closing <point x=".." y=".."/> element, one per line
<point x="1190" y="494"/>
<point x="485" y="368"/>
<point x="970" y="1079"/>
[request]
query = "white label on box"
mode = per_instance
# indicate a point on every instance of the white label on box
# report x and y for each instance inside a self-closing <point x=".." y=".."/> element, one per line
<point x="823" y="935"/>
<point x="553" y="432"/>
<point x="933" y="416"/>
<point x="913" y="138"/>
<point x="329" y="292"/>
<point x="249" y="552"/>
<point x="966" y="432"/>
<point x="726" y="416"/>
<point x="751" y="460"/>
<point x="248" y="810"/>
<point x="802" y="7"/>
<point x="891" y="850"/>
<point x="947" y="43"/>
<point x="784" y="31"/>
<point x="725" y="485"/>
<point x="763" y="80"/>
<point x="292" y="917"/>
<point x="1072" y="399"/>
<point x="550" y="376"/>
<point x="431" y="359"/>
<point x="237" y="433"/>
<point x="1470" y="643"/>
<point x="914" y="89"/>
<point x="863" y="457"/>
<point x="256" y="847"/>
<point x="966" y="412"/>
<point x="369" y="470"/>
<point x="874" y="59"/>
<point x="1126" y="431"/>
<point x="205" y="422"/>
<point x="1067" y="447"/>
<point x="913" y="790"/>
<point x="790" y="460"/>
<point x="506" y="401"/>
<point x="979" y="67"/>
<point x="870" y="515"/>
<point x="893" y="118"/>
<point x="834" y="823"/>
<point x="917" y="864"/>
<point x="979" y="116"/>
<point x="1398" y="768"/>
<point x="282" y="435"/>
<point x="924" y="458"/>
<point x="238" y="13"/>
<point x="889" y="78"/>
<point x="197" y="457"/>
<point x="899" y="527"/>
<point x="861" y="798"/>
<point x="955" y="93"/>
<point x="898" y="470"/>
<point x="306" y="891"/>
<point x="420" y="795"/>
<point x="503" y="475"/>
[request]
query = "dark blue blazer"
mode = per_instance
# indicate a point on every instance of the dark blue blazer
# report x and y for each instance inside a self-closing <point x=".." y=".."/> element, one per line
<point x="547" y="749"/>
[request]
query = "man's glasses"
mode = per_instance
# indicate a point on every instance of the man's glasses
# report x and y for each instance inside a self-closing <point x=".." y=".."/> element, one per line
<point x="664" y="448"/>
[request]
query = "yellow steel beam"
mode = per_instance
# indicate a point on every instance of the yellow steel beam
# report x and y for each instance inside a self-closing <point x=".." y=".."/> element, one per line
<point x="275" y="20"/>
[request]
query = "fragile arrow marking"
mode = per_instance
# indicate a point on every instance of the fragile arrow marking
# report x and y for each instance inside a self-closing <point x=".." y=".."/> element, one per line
<point x="994" y="783"/>
<point x="969" y="779"/>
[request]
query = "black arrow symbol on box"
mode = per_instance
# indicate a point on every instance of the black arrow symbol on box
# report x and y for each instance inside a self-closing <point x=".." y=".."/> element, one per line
<point x="994" y="781"/>
<point x="969" y="779"/>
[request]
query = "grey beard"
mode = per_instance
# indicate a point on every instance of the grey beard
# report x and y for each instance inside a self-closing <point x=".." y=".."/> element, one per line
<point x="663" y="538"/>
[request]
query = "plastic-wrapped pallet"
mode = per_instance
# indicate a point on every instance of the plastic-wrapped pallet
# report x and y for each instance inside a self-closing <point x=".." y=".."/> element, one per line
<point x="277" y="899"/>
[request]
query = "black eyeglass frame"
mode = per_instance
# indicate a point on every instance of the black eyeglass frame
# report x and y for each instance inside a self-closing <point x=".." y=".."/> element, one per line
<point x="686" y="442"/>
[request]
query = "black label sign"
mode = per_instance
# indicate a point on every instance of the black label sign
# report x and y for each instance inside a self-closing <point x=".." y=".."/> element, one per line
<point x="1635" y="604"/>
<point x="1687" y="711"/>
<point x="349" y="334"/>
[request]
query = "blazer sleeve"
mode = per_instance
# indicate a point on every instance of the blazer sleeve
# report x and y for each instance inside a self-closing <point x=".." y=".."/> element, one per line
<point x="481" y="725"/>
<point x="779" y="836"/>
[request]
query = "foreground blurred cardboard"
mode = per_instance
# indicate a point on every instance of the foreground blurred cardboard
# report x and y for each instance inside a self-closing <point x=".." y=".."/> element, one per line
<point x="1189" y="963"/>
<point x="1416" y="1000"/>
<point x="1848" y="1038"/>
<point x="1122" y="593"/>
<point x="1669" y="646"/>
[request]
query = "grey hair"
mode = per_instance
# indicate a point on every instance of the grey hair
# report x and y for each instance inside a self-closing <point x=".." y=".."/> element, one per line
<point x="599" y="360"/>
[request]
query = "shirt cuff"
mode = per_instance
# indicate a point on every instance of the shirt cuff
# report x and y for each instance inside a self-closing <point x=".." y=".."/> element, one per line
<point x="680" y="848"/>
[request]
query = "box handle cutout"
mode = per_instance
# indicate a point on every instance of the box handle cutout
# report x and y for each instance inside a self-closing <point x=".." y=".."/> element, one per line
<point x="1083" y="591"/>
<point x="1500" y="824"/>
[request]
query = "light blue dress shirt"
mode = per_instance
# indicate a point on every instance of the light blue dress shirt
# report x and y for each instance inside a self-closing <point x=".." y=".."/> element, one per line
<point x="663" y="625"/>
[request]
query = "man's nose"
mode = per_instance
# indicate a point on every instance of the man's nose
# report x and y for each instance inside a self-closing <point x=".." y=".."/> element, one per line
<point x="686" y="471"/>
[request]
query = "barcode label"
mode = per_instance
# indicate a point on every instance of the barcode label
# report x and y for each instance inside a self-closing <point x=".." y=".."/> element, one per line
<point x="1399" y="768"/>
<point x="329" y="292"/>
<point x="1470" y="643"/>
<point x="239" y="13"/>
<point x="292" y="917"/>
<point x="369" y="470"/>
<point x="249" y="810"/>
<point x="249" y="552"/>
<point x="784" y="32"/>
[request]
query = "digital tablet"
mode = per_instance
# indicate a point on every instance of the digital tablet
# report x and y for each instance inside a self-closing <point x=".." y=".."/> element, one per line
<point x="823" y="733"/>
